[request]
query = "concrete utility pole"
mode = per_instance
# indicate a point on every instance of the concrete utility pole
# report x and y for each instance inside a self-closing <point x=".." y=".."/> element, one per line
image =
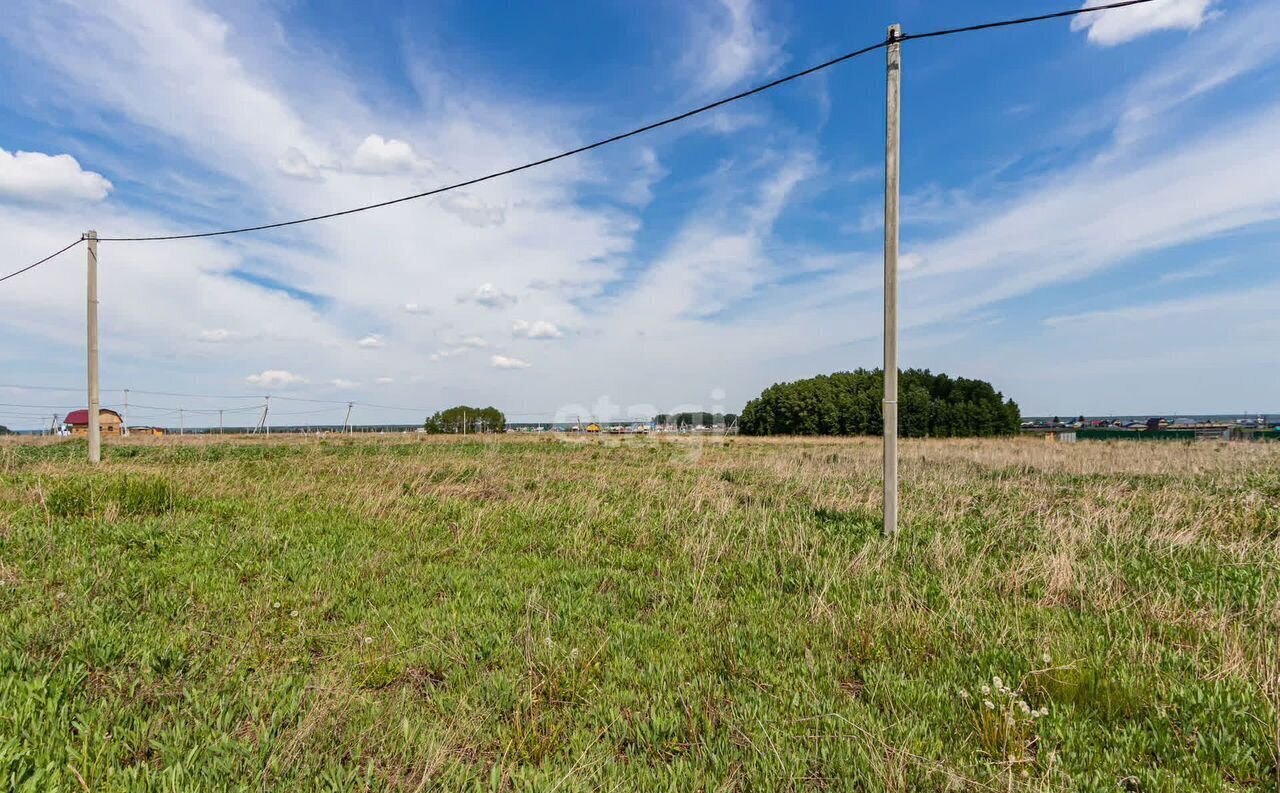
<point x="91" y="309"/>
<point x="124" y="420"/>
<point x="219" y="421"/>
<point x="182" y="423"/>
<point x="346" y="423"/>
<point x="893" y="95"/>
<point x="266" y="412"/>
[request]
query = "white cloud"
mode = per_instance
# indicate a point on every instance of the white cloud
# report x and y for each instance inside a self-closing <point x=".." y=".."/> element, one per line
<point x="41" y="178"/>
<point x="275" y="378"/>
<point x="343" y="385"/>
<point x="490" y="296"/>
<point x="474" y="342"/>
<point x="385" y="380"/>
<point x="732" y="44"/>
<point x="538" y="329"/>
<point x="372" y="341"/>
<point x="1116" y="26"/>
<point x="296" y="164"/>
<point x="218" y="335"/>
<point x="416" y="308"/>
<point x="504" y="362"/>
<point x="648" y="172"/>
<point x="473" y="211"/>
<point x="378" y="155"/>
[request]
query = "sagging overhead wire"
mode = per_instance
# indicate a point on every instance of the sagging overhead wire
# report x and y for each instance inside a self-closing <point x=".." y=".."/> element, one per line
<point x="50" y="257"/>
<point x="638" y="130"/>
<point x="612" y="139"/>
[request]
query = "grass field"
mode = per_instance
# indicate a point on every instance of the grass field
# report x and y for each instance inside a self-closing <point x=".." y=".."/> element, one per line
<point x="533" y="614"/>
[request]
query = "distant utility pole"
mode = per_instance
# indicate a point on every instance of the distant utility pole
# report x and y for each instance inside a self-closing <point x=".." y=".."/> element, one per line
<point x="124" y="420"/>
<point x="893" y="95"/>
<point x="182" y="423"/>
<point x="91" y="315"/>
<point x="219" y="421"/>
<point x="346" y="423"/>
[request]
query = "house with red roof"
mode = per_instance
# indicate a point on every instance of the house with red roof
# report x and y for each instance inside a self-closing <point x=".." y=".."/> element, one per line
<point x="109" y="422"/>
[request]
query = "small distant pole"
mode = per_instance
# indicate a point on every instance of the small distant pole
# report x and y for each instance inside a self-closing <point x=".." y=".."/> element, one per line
<point x="53" y="427"/>
<point x="219" y="421"/>
<point x="124" y="423"/>
<point x="464" y="422"/>
<point x="182" y="422"/>
<point x="266" y="412"/>
<point x="893" y="95"/>
<point x="346" y="423"/>
<point x="91" y="312"/>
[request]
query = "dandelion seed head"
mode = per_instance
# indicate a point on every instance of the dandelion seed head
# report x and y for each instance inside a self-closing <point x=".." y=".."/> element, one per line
<point x="293" y="613"/>
<point x="986" y="691"/>
<point x="368" y="640"/>
<point x="275" y="605"/>
<point x="997" y="682"/>
<point x="989" y="705"/>
<point x="1048" y="659"/>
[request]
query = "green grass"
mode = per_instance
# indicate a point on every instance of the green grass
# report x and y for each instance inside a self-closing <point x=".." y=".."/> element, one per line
<point x="638" y="615"/>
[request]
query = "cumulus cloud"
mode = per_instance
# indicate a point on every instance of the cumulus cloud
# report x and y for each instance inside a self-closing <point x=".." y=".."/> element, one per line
<point x="1108" y="28"/>
<point x="504" y="362"/>
<point x="296" y="164"/>
<point x="370" y="342"/>
<point x="538" y="329"/>
<point x="385" y="380"/>
<point x="275" y="378"/>
<point x="474" y="342"/>
<point x="41" y="178"/>
<point x="379" y="155"/>
<point x="416" y="308"/>
<point x="490" y="296"/>
<point x="343" y="385"/>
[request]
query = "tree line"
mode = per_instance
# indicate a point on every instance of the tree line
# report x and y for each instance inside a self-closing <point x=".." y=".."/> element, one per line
<point x="849" y="403"/>
<point x="464" y="418"/>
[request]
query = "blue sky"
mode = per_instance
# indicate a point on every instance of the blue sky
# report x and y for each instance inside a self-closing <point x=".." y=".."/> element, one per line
<point x="1090" y="209"/>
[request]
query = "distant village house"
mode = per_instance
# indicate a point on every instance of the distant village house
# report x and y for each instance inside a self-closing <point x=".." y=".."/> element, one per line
<point x="109" y="422"/>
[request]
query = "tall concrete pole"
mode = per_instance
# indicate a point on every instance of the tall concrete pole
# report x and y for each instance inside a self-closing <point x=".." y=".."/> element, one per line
<point x="891" y="168"/>
<point x="91" y="309"/>
<point x="124" y="421"/>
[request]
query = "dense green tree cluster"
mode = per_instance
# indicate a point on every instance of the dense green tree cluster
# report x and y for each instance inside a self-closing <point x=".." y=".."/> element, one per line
<point x="696" y="419"/>
<point x="849" y="403"/>
<point x="488" y="419"/>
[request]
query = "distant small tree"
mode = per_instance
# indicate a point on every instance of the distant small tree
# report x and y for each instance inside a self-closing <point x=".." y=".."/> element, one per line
<point x="5" y="430"/>
<point x="462" y="418"/>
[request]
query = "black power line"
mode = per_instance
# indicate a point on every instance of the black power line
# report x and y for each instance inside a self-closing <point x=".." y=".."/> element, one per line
<point x="638" y="130"/>
<point x="613" y="139"/>
<point x="42" y="261"/>
<point x="1004" y="23"/>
